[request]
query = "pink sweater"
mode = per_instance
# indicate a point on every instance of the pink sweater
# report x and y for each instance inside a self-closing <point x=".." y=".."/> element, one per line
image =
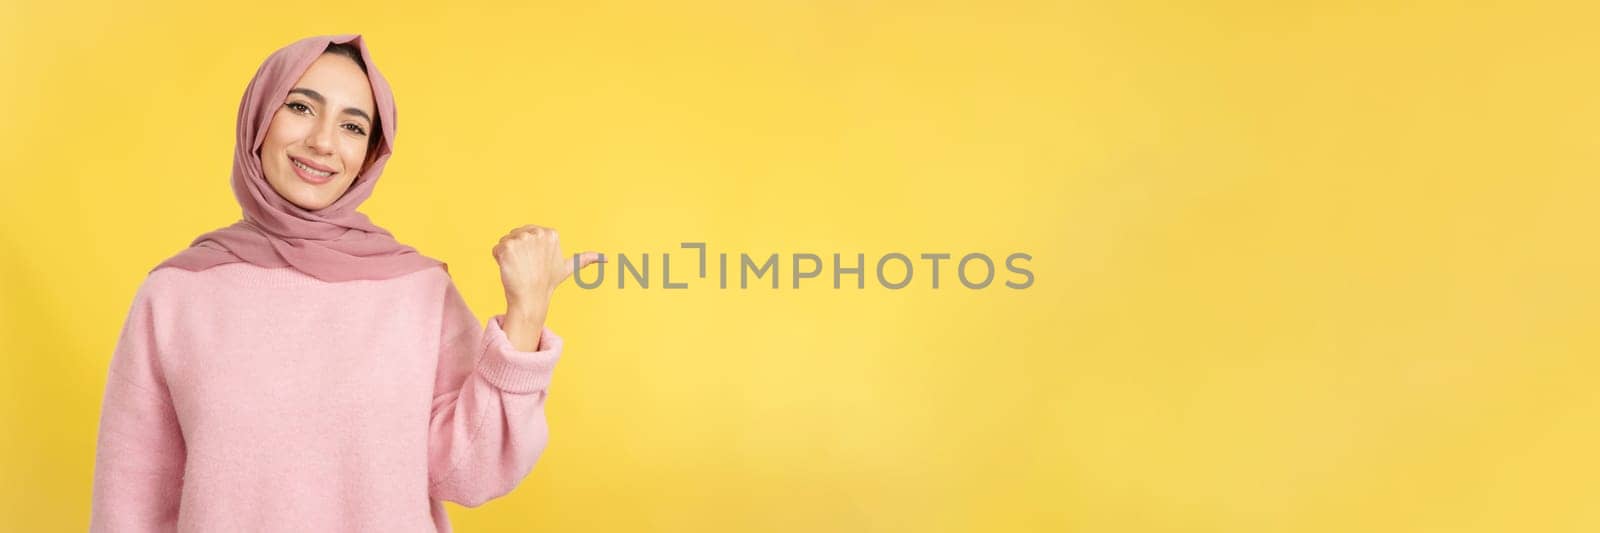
<point x="242" y="398"/>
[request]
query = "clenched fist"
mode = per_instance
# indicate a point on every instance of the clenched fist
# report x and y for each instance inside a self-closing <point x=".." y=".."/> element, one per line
<point x="531" y="267"/>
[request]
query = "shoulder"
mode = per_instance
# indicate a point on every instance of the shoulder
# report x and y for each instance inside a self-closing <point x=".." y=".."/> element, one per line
<point x="168" y="282"/>
<point x="434" y="281"/>
<point x="254" y="275"/>
<point x="164" y="283"/>
<point x="172" y="283"/>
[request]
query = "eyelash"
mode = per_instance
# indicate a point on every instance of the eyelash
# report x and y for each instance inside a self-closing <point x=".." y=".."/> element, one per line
<point x="303" y="109"/>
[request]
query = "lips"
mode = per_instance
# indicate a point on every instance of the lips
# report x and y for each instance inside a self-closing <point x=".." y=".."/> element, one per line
<point x="313" y="165"/>
<point x="311" y="172"/>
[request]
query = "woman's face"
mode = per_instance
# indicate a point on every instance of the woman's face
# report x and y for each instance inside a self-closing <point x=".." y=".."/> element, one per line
<point x="317" y="142"/>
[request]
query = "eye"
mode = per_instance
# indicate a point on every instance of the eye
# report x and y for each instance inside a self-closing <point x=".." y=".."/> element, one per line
<point x="298" y="107"/>
<point x="356" y="128"/>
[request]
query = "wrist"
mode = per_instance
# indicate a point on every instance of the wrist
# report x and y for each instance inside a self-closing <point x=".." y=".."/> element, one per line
<point x="523" y="326"/>
<point x="525" y="313"/>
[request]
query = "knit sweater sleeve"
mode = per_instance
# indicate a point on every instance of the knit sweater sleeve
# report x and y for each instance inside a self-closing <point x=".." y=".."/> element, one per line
<point x="139" y="459"/>
<point x="488" y="424"/>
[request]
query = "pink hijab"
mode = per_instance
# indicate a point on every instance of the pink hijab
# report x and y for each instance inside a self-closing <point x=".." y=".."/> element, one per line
<point x="335" y="243"/>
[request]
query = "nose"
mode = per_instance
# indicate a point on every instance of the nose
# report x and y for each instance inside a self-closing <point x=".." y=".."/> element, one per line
<point x="320" y="139"/>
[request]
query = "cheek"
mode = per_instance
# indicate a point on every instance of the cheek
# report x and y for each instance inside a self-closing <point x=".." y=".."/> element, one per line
<point x="279" y="133"/>
<point x="354" y="155"/>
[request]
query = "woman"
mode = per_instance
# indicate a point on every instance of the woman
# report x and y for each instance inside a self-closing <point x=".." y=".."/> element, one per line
<point x="301" y="370"/>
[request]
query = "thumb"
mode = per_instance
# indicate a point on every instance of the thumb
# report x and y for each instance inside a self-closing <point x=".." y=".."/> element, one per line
<point x="584" y="259"/>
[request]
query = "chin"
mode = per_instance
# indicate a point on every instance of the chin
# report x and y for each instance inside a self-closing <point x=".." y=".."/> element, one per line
<point x="308" y="204"/>
<point x="307" y="196"/>
<point x="313" y="206"/>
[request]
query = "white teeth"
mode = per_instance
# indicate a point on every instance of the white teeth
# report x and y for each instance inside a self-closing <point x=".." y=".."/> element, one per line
<point x="310" y="170"/>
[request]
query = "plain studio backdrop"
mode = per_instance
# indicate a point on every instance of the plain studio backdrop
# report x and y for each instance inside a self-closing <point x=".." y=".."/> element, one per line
<point x="1297" y="267"/>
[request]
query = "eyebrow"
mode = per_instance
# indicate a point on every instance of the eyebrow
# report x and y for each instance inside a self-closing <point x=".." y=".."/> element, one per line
<point x="324" y="101"/>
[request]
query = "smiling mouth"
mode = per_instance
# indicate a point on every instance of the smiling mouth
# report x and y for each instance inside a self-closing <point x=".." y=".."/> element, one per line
<point x="309" y="173"/>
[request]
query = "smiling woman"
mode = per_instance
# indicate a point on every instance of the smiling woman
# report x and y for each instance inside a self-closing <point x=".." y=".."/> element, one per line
<point x="323" y="135"/>
<point x="301" y="370"/>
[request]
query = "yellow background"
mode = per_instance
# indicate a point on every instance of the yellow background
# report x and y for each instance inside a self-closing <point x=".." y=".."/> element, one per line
<point x="1298" y="268"/>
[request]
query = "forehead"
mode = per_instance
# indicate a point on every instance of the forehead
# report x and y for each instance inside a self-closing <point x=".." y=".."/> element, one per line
<point x="339" y="80"/>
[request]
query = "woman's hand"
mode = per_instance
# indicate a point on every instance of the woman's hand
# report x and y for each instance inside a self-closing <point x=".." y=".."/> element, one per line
<point x="531" y="267"/>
